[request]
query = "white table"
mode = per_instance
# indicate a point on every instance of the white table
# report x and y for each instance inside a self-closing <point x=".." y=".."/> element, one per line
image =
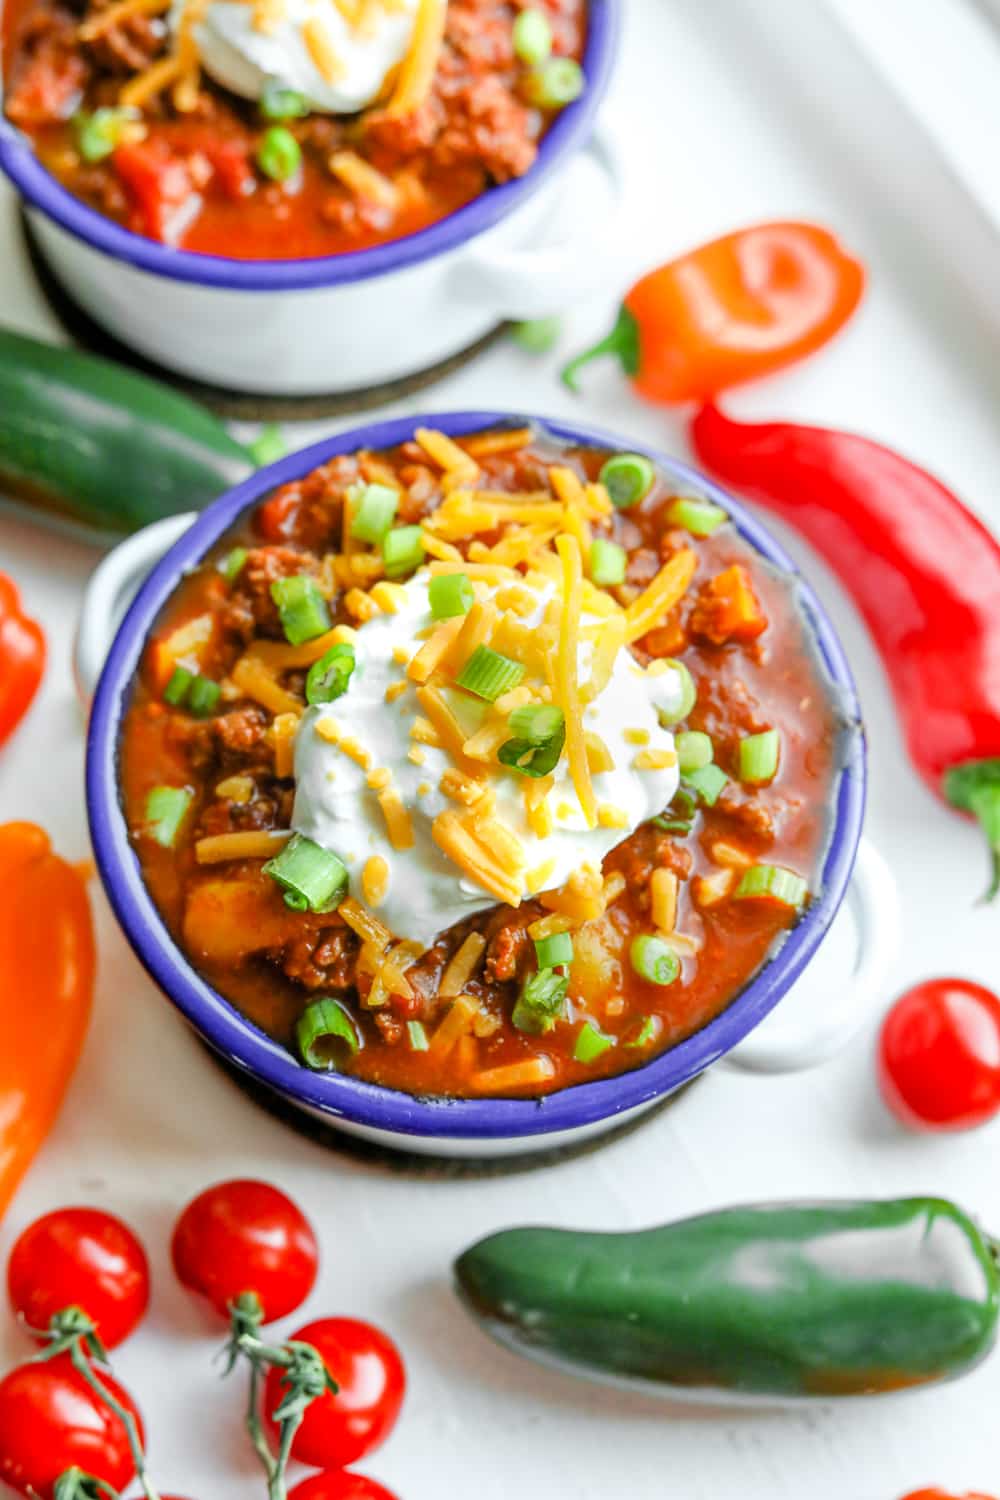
<point x="733" y="110"/>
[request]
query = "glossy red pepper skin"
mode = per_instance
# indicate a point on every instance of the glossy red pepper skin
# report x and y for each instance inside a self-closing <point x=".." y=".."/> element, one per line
<point x="739" y="307"/>
<point x="22" y="658"/>
<point x="924" y="572"/>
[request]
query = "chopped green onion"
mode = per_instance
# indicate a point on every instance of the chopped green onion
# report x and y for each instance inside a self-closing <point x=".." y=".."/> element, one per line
<point x="98" y="134"/>
<point x="654" y="960"/>
<point x="555" y="83"/>
<point x="418" y="1036"/>
<point x="176" y="689"/>
<point x="312" y="878"/>
<point x="327" y="1035"/>
<point x="302" y="608"/>
<point x="689" y="694"/>
<point x="489" y="675"/>
<point x="373" y="511"/>
<point x="279" y="154"/>
<point x="679" y="816"/>
<point x="695" y="751"/>
<point x="700" y="517"/>
<point x="268" y="446"/>
<point x="328" y="677"/>
<point x="541" y="1002"/>
<point x="203" y="697"/>
<point x="607" y="563"/>
<point x="648" y="1032"/>
<point x="166" y="808"/>
<point x="450" y="594"/>
<point x="402" y="550"/>
<point x="709" y="783"/>
<point x="628" y="478"/>
<point x="232" y="564"/>
<point x="590" y="1043"/>
<point x="759" y="757"/>
<point x="532" y="760"/>
<point x="554" y="951"/>
<point x="538" y="723"/>
<point x="773" y="882"/>
<point x="532" y="37"/>
<point x="537" y="335"/>
<point x="279" y="102"/>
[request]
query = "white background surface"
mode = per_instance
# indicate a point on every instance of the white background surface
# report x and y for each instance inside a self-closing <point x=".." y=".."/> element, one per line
<point x="732" y="110"/>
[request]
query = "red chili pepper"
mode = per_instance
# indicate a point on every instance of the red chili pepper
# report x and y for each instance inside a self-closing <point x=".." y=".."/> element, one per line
<point x="741" y="306"/>
<point x="22" y="658"/>
<point x="923" y="571"/>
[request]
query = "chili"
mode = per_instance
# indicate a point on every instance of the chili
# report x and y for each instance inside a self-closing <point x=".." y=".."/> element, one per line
<point x="817" y="1299"/>
<point x="924" y="572"/>
<point x="22" y="658"/>
<point x="46" y="983"/>
<point x="729" y="311"/>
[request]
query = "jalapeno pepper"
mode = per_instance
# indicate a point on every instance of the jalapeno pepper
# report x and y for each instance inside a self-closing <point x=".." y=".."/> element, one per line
<point x="744" y="305"/>
<point x="924" y="572"/>
<point x="22" y="658"/>
<point x="774" y="1301"/>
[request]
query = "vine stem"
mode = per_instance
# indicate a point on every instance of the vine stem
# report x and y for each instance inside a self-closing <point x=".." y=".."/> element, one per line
<point x="83" y="1367"/>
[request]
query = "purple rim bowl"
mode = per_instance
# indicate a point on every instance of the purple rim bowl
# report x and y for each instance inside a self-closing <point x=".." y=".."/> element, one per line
<point x="568" y="131"/>
<point x="371" y="1105"/>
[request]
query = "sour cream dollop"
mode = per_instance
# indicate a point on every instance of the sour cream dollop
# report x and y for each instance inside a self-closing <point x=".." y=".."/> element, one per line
<point x="241" y="50"/>
<point x="427" y="893"/>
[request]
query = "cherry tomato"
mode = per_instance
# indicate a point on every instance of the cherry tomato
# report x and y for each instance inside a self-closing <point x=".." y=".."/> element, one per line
<point x="339" y="1429"/>
<point x="50" y="1421"/>
<point x="246" y="1236"/>
<point x="939" y="1055"/>
<point x="80" y="1257"/>
<point x="340" y="1484"/>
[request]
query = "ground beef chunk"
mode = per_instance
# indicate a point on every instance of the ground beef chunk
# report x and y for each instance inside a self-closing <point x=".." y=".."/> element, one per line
<point x="727" y="711"/>
<point x="646" y="850"/>
<point x="356" y="216"/>
<point x="131" y="45"/>
<point x="50" y="73"/>
<point x="747" y="809"/>
<point x="101" y="190"/>
<point x="240" y="730"/>
<point x="509" y="947"/>
<point x="322" y="960"/>
<point x="224" y="816"/>
<point x="250" y="608"/>
<point x="390" y="139"/>
<point x="489" y="127"/>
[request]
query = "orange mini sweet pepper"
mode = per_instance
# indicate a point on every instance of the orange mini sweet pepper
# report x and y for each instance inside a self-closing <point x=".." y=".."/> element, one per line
<point x="46" y="985"/>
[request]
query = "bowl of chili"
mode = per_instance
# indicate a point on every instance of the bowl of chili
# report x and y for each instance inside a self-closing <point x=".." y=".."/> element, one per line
<point x="268" y="289"/>
<point x="183" y="920"/>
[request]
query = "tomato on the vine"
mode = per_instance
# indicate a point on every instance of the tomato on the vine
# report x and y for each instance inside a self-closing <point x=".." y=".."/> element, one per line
<point x="339" y="1429"/>
<point x="51" y="1421"/>
<point x="939" y="1055"/>
<point x="241" y="1237"/>
<point x="340" y="1484"/>
<point x="80" y="1257"/>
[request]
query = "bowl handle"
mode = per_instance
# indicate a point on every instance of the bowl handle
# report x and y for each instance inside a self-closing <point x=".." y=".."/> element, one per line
<point x="112" y="587"/>
<point x="875" y="899"/>
<point x="539" y="279"/>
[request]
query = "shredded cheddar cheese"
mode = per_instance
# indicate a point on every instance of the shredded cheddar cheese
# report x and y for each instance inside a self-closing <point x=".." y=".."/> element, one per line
<point x="567" y="688"/>
<point x="420" y="64"/>
<point x="658" y="599"/>
<point x="462" y="965"/>
<point x="363" y="180"/>
<point x="375" y="880"/>
<point x="220" y="847"/>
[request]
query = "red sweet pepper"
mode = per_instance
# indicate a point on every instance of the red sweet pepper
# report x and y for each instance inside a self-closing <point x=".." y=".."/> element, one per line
<point x="739" y="307"/>
<point x="920" y="567"/>
<point x="22" y="658"/>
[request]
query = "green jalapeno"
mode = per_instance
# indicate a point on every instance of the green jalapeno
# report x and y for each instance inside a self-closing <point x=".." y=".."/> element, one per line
<point x="775" y="1302"/>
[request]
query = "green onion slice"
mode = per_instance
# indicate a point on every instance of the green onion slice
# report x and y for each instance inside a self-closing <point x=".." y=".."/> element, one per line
<point x="301" y="607"/>
<point x="176" y="689"/>
<point x="689" y="694"/>
<point x="532" y="37"/>
<point x="554" y="950"/>
<point x="772" y="883"/>
<point x="373" y="510"/>
<point x="537" y="335"/>
<point x="327" y="1035"/>
<point x="700" y="517"/>
<point x="628" y="478"/>
<point x="709" y="783"/>
<point x="695" y="751"/>
<point x="450" y="594"/>
<point x="538" y="723"/>
<point x="654" y="960"/>
<point x="541" y="1002"/>
<point x="532" y="760"/>
<point x="328" y="678"/>
<point x="166" y="809"/>
<point x="203" y="697"/>
<point x="489" y="675"/>
<point x="679" y="816"/>
<point x="311" y="878"/>
<point x="279" y="154"/>
<point x="232" y="564"/>
<point x="555" y="83"/>
<point x="268" y="446"/>
<point x="418" y="1036"/>
<point x="99" y="133"/>
<point x="608" y="562"/>
<point x="279" y="102"/>
<point x="402" y="550"/>
<point x="590" y="1043"/>
<point x="759" y="757"/>
<point x="648" y="1032"/>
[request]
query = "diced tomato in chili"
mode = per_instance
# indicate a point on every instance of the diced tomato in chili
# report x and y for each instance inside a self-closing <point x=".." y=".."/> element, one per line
<point x="231" y="163"/>
<point x="727" y="609"/>
<point x="276" y="517"/>
<point x="160" y="189"/>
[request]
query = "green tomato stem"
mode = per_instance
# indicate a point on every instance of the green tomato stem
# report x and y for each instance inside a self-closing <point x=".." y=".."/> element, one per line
<point x="85" y="1370"/>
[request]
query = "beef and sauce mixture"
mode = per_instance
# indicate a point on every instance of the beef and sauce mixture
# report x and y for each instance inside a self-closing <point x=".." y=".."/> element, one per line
<point x="482" y="766"/>
<point x="285" y="129"/>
